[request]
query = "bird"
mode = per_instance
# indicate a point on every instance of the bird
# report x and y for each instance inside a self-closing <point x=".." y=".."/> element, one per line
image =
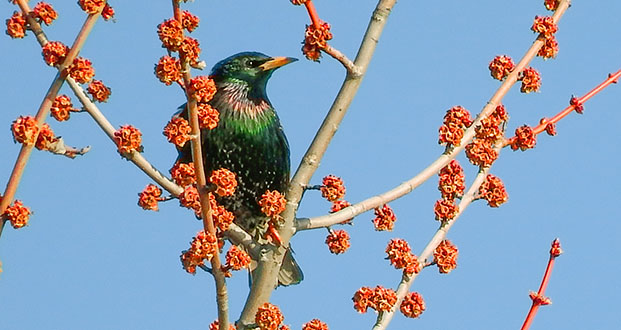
<point x="249" y="141"/>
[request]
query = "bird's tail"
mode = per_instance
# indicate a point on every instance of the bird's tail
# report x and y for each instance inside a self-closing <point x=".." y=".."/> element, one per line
<point x="290" y="272"/>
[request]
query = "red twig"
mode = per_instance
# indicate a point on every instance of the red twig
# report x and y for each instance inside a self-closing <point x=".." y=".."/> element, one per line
<point x="538" y="297"/>
<point x="576" y="104"/>
<point x="312" y="12"/>
<point x="201" y="182"/>
<point x="46" y="104"/>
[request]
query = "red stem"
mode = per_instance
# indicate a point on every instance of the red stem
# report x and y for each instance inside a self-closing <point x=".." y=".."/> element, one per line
<point x="312" y="12"/>
<point x="46" y="104"/>
<point x="542" y="289"/>
<point x="612" y="78"/>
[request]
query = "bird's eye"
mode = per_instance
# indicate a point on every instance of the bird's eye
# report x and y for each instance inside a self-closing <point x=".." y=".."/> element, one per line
<point x="252" y="63"/>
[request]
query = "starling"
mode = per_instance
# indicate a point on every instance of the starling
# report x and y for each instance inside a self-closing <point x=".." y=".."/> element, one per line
<point x="249" y="141"/>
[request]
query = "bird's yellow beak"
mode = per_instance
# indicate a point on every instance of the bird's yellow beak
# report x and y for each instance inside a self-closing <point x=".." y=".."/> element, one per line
<point x="276" y="62"/>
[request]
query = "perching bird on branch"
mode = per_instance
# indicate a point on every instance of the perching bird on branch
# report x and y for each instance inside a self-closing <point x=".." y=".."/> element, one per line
<point x="249" y="141"/>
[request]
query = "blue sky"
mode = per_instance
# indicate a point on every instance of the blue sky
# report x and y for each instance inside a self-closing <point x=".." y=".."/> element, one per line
<point x="93" y="259"/>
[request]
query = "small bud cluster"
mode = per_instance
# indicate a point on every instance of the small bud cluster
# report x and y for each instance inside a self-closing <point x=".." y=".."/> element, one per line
<point x="269" y="317"/>
<point x="333" y="189"/>
<point x="456" y="120"/>
<point x="272" y="204"/>
<point x="525" y="138"/>
<point x="99" y="92"/>
<point x="54" y="53"/>
<point x="16" y="25"/>
<point x="215" y="325"/>
<point x="384" y="218"/>
<point x="379" y="298"/>
<point x="445" y="256"/>
<point x="480" y="151"/>
<point x="412" y="305"/>
<point x="546" y="27"/>
<point x="236" y="259"/>
<point x="62" y="107"/>
<point x="315" y="39"/>
<point x="17" y="214"/>
<point x="183" y="174"/>
<point x="203" y="247"/>
<point x="338" y="241"/>
<point x="149" y="197"/>
<point x="400" y="255"/>
<point x="44" y="13"/>
<point x="501" y="66"/>
<point x="128" y="139"/>
<point x="315" y="324"/>
<point x="177" y="131"/>
<point x="493" y="191"/>
<point x="225" y="182"/>
<point x="551" y="4"/>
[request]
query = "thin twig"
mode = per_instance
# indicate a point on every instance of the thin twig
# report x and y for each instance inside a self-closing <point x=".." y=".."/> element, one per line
<point x="201" y="182"/>
<point x="269" y="264"/>
<point x="539" y="298"/>
<point x="352" y="69"/>
<point x="46" y="104"/>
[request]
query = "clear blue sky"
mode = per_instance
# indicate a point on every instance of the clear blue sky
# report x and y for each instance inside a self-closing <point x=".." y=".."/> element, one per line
<point x="91" y="258"/>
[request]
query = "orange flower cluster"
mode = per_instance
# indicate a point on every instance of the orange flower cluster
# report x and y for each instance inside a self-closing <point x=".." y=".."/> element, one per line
<point x="332" y="188"/>
<point x="236" y="259"/>
<point x="149" y="197"/>
<point x="203" y="88"/>
<point x="183" y="174"/>
<point x="338" y="241"/>
<point x="92" y="6"/>
<point x="551" y="4"/>
<point x="16" y="25"/>
<point x="445" y="256"/>
<point x="46" y="138"/>
<point x="315" y="324"/>
<point x="445" y="210"/>
<point x="379" y="299"/>
<point x="384" y="218"/>
<point x="544" y="25"/>
<point x="412" y="305"/>
<point x="190" y="50"/>
<point x="501" y="66"/>
<point x="99" y="91"/>
<point x="493" y="191"/>
<point x="44" y="12"/>
<point x="202" y="247"/>
<point x="456" y="120"/>
<point x="556" y="250"/>
<point x="339" y="205"/>
<point x="525" y="138"/>
<point x="208" y="117"/>
<point x="480" y="151"/>
<point x="222" y="217"/>
<point x="400" y="256"/>
<point x="451" y="183"/>
<point x="54" y="53"/>
<point x="215" y="325"/>
<point x="81" y="70"/>
<point x="17" y="214"/>
<point x="177" y="131"/>
<point x="189" y="21"/>
<point x="531" y="80"/>
<point x="272" y="203"/>
<point x="578" y="106"/>
<point x="62" y="108"/>
<point x="25" y="130"/>
<point x="108" y="12"/>
<point x="168" y="70"/>
<point x="171" y="34"/>
<point x="189" y="198"/>
<point x="225" y="182"/>
<point x="315" y="39"/>
<point x="549" y="48"/>
<point x="268" y="317"/>
<point x="128" y="139"/>
<point x="298" y="2"/>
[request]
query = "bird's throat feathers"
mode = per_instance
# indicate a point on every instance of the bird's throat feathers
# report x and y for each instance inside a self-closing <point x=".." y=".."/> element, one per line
<point x="237" y="101"/>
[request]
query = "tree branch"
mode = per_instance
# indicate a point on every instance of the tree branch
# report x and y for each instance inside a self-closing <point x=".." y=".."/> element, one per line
<point x="267" y="271"/>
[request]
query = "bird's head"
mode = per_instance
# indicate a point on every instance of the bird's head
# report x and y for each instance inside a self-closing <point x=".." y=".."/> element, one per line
<point x="250" y="68"/>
